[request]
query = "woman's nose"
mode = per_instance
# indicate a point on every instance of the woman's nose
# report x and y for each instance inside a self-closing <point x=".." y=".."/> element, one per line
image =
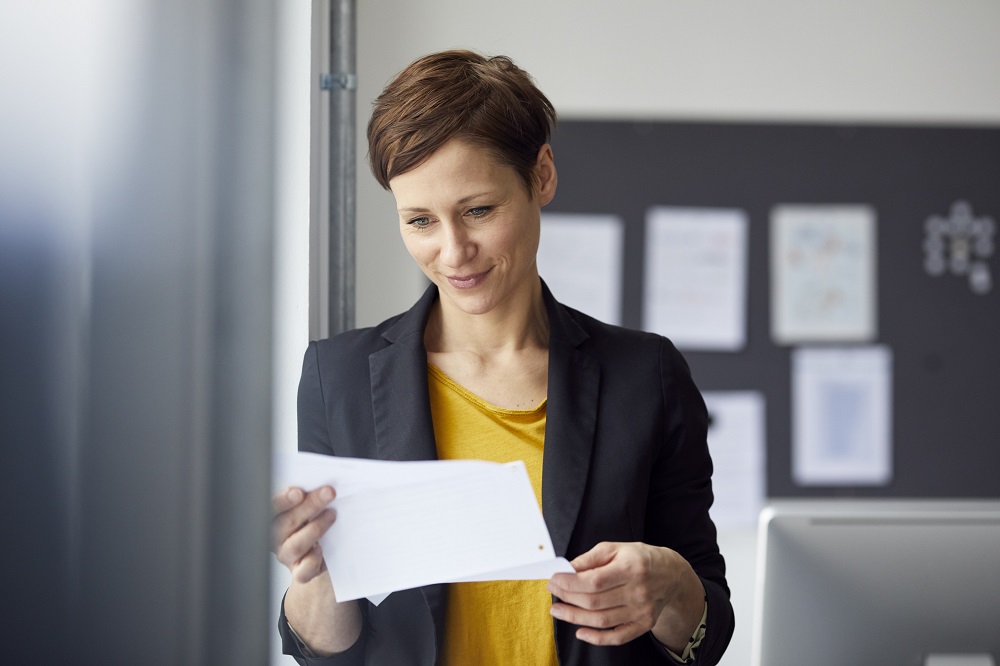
<point x="457" y="246"/>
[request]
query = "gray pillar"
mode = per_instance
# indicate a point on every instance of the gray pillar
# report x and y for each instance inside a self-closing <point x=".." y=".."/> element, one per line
<point x="334" y="178"/>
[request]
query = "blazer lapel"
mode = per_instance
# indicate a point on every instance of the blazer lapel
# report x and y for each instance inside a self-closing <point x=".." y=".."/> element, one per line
<point x="400" y="399"/>
<point x="570" y="424"/>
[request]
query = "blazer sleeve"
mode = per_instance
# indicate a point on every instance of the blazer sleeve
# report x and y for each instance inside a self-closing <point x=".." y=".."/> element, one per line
<point x="314" y="433"/>
<point x="314" y="437"/>
<point x="681" y="495"/>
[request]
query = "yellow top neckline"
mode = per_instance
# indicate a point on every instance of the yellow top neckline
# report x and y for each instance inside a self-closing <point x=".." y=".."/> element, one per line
<point x="439" y="374"/>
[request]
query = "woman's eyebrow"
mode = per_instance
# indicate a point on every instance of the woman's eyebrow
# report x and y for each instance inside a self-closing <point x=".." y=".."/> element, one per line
<point x="460" y="202"/>
<point x="472" y="197"/>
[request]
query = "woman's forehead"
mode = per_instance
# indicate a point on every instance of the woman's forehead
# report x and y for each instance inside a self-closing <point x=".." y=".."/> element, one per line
<point x="458" y="172"/>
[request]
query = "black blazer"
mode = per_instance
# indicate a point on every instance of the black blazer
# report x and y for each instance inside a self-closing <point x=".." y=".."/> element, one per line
<point x="625" y="459"/>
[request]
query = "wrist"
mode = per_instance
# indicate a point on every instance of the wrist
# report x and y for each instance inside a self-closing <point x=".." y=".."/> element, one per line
<point x="318" y="621"/>
<point x="681" y="616"/>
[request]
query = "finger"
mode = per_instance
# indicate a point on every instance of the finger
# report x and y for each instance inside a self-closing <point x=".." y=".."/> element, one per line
<point x="607" y="618"/>
<point x="618" y="636"/>
<point x="310" y="566"/>
<point x="597" y="556"/>
<point x="592" y="581"/>
<point x="617" y="596"/>
<point x="300" y="542"/>
<point x="295" y="547"/>
<point x="285" y="499"/>
<point x="287" y="522"/>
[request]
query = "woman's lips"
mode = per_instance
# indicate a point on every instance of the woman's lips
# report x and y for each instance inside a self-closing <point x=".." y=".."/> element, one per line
<point x="467" y="281"/>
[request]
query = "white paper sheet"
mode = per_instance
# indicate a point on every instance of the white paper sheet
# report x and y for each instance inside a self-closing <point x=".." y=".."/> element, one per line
<point x="822" y="273"/>
<point x="736" y="441"/>
<point x="406" y="524"/>
<point x="580" y="258"/>
<point x="842" y="416"/>
<point x="695" y="277"/>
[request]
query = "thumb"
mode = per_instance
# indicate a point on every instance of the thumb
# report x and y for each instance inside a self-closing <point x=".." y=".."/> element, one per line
<point x="596" y="557"/>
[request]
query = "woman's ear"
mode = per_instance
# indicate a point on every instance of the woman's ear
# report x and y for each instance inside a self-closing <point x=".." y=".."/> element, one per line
<point x="546" y="177"/>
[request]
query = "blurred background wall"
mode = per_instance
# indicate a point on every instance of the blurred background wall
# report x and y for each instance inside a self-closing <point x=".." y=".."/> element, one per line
<point x="827" y="60"/>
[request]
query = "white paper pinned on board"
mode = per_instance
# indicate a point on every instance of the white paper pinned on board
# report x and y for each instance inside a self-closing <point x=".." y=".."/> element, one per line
<point x="402" y="525"/>
<point x="736" y="440"/>
<point x="842" y="416"/>
<point x="695" y="287"/>
<point x="580" y="259"/>
<point x="822" y="273"/>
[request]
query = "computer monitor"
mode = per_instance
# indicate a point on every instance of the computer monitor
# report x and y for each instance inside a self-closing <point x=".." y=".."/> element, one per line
<point x="886" y="583"/>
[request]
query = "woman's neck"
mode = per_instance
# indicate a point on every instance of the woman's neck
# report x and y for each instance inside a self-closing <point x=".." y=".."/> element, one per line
<point x="518" y="325"/>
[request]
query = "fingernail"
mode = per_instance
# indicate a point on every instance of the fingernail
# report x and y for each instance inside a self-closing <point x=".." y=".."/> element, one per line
<point x="556" y="612"/>
<point x="295" y="495"/>
<point x="326" y="494"/>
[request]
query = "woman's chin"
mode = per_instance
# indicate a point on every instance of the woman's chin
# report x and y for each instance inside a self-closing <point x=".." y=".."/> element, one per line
<point x="471" y="304"/>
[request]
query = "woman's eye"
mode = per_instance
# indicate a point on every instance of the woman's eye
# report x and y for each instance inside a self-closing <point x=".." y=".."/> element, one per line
<point x="479" y="211"/>
<point x="419" y="222"/>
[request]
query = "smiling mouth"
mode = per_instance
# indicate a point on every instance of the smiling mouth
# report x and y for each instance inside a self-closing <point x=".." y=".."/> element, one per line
<point x="467" y="281"/>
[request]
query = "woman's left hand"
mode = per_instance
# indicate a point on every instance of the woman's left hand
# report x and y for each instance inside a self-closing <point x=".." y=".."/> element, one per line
<point x="621" y="590"/>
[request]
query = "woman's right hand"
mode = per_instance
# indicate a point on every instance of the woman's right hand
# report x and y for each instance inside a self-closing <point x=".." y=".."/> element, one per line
<point x="300" y="519"/>
<point x="311" y="608"/>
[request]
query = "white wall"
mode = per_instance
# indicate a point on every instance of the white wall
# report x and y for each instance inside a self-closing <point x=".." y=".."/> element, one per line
<point x="901" y="61"/>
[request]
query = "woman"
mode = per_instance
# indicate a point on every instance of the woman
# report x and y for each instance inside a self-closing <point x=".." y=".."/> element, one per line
<point x="489" y="365"/>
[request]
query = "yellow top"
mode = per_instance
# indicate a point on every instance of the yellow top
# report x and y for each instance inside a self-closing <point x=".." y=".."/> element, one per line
<point x="498" y="622"/>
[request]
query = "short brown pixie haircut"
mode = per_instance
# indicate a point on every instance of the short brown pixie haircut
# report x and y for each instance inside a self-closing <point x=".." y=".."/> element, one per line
<point x="487" y="101"/>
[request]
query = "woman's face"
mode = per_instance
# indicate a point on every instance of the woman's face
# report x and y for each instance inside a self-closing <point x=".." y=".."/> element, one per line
<point x="472" y="226"/>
